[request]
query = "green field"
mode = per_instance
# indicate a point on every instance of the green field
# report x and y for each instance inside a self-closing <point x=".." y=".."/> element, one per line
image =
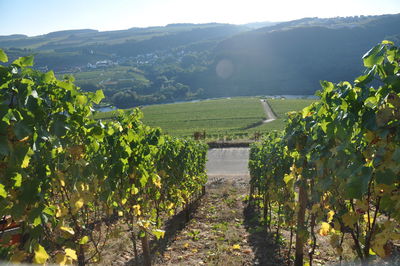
<point x="222" y="116"/>
<point x="280" y="108"/>
<point x="233" y="118"/>
<point x="110" y="74"/>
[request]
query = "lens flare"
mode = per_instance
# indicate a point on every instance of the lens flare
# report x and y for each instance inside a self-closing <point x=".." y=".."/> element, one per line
<point x="224" y="68"/>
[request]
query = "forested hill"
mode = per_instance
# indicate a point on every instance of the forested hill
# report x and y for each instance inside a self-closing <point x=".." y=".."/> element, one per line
<point x="62" y="50"/>
<point x="191" y="61"/>
<point x="292" y="57"/>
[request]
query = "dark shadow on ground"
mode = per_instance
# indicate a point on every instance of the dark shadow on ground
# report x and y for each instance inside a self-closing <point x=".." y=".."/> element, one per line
<point x="266" y="250"/>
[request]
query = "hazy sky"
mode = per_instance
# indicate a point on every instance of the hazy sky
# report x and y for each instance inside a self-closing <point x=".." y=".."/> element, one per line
<point x="34" y="17"/>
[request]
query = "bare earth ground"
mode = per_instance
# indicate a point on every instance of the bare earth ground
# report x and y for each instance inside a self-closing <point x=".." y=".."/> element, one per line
<point x="221" y="231"/>
<point x="218" y="232"/>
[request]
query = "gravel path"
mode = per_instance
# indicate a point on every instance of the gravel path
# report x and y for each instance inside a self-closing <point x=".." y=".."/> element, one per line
<point x="268" y="111"/>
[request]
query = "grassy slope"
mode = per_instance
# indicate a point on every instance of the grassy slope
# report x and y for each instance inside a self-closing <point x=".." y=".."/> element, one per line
<point x="217" y="117"/>
<point x="222" y="116"/>
<point x="112" y="73"/>
<point x="280" y="108"/>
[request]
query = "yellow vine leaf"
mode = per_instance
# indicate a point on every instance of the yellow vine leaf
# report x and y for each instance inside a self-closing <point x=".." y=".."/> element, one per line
<point x="58" y="211"/>
<point x="158" y="233"/>
<point x="371" y="219"/>
<point x="371" y="252"/>
<point x="134" y="190"/>
<point x="143" y="224"/>
<point x="61" y="211"/>
<point x="325" y="229"/>
<point x="25" y="162"/>
<point x="288" y="178"/>
<point x="77" y="203"/>
<point x="325" y="196"/>
<point x="71" y="253"/>
<point x="330" y="216"/>
<point x="236" y="247"/>
<point x="41" y="255"/>
<point x="67" y="229"/>
<point x="146" y="224"/>
<point x="82" y="187"/>
<point x="84" y="240"/>
<point x="157" y="181"/>
<point x="136" y="210"/>
<point x="3" y="192"/>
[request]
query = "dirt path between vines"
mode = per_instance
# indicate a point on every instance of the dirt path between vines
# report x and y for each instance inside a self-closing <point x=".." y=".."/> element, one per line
<point x="268" y="111"/>
<point x="222" y="231"/>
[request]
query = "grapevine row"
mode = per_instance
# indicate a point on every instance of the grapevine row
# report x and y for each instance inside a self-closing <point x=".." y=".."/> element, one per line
<point x="335" y="170"/>
<point x="66" y="178"/>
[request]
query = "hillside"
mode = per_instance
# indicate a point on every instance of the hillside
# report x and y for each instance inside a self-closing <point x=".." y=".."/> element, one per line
<point x="292" y="57"/>
<point x="62" y="50"/>
<point x="178" y="62"/>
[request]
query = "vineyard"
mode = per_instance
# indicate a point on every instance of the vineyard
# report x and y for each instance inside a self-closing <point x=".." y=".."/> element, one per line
<point x="71" y="182"/>
<point x="333" y="174"/>
<point x="67" y="180"/>
<point x="236" y="117"/>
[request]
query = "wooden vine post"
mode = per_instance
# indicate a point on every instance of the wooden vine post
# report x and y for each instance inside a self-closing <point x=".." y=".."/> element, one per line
<point x="146" y="250"/>
<point x="301" y="228"/>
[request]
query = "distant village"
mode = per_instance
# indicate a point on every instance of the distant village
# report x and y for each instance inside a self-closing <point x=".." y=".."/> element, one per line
<point x="148" y="59"/>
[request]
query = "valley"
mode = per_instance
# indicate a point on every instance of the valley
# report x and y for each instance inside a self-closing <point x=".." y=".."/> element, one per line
<point x="183" y="62"/>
